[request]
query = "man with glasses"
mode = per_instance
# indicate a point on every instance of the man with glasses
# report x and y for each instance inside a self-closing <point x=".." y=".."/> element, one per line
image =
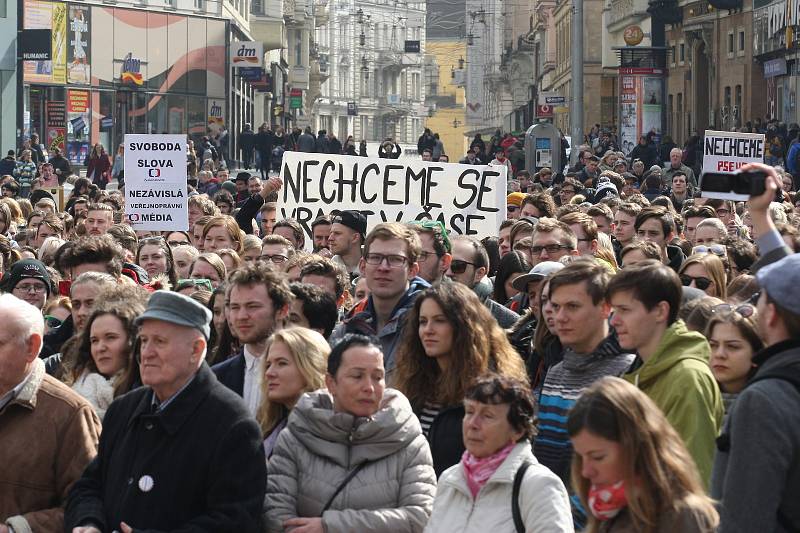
<point x="569" y="188"/>
<point x="469" y="266"/>
<point x="28" y="280"/>
<point x="390" y="267"/>
<point x="276" y="251"/>
<point x="434" y="258"/>
<point x="552" y="240"/>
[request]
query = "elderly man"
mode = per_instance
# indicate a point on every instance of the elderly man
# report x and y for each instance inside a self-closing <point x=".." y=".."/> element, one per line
<point x="676" y="166"/>
<point x="49" y="433"/>
<point x="181" y="453"/>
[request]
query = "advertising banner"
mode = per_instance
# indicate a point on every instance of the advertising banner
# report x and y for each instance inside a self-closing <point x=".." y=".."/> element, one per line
<point x="79" y="45"/>
<point x="468" y="199"/>
<point x="47" y="16"/>
<point x="155" y="182"/>
<point x="727" y="151"/>
<point x="56" y="130"/>
<point x="640" y="105"/>
<point x="247" y="54"/>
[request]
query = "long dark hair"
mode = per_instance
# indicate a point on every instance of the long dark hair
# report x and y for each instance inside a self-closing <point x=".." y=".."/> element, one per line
<point x="479" y="345"/>
<point x="511" y="263"/>
<point x="161" y="242"/>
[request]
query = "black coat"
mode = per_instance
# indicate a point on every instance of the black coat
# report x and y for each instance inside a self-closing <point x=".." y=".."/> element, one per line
<point x="446" y="438"/>
<point x="231" y="373"/>
<point x="203" y="453"/>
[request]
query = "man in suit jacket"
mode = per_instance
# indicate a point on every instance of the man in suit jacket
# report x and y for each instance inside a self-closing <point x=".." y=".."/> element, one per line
<point x="258" y="302"/>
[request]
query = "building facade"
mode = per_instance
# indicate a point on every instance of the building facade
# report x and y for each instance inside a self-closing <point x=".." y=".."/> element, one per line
<point x="370" y="56"/>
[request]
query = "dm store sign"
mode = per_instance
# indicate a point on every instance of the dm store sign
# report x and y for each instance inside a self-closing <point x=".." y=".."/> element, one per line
<point x="247" y="54"/>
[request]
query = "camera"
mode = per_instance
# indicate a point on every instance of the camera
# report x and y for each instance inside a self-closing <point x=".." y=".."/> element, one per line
<point x="739" y="186"/>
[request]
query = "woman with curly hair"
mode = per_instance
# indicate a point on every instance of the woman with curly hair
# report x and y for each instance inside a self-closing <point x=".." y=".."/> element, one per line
<point x="450" y="338"/>
<point x="631" y="470"/>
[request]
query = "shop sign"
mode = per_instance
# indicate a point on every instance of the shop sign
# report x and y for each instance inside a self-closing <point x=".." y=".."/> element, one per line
<point x="131" y="71"/>
<point x="295" y="102"/>
<point x="35" y="45"/>
<point x="775" y="67"/>
<point x="352" y="109"/>
<point x="247" y="54"/>
<point x="51" y="16"/>
<point x="79" y="45"/>
<point x="106" y="123"/>
<point x="77" y="101"/>
<point x="412" y="47"/>
<point x="216" y="116"/>
<point x="251" y="73"/>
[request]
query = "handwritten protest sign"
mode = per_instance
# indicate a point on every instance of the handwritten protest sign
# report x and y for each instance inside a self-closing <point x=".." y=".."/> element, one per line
<point x="469" y="200"/>
<point x="155" y="182"/>
<point x="726" y="152"/>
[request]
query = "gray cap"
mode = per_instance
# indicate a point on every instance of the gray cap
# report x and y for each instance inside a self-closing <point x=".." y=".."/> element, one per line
<point x="539" y="272"/>
<point x="781" y="281"/>
<point x="176" y="308"/>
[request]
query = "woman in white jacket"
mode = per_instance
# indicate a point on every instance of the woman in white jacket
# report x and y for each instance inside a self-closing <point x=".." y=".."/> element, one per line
<point x="477" y="495"/>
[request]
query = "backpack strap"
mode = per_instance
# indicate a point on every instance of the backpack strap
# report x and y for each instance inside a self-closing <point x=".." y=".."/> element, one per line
<point x="519" y="525"/>
<point x="344" y="482"/>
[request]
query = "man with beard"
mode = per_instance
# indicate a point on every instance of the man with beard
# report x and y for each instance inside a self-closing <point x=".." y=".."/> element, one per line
<point x="257" y="303"/>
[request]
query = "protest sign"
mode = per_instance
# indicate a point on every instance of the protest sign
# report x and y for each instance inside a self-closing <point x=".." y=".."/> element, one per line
<point x="726" y="152"/>
<point x="468" y="199"/>
<point x="155" y="182"/>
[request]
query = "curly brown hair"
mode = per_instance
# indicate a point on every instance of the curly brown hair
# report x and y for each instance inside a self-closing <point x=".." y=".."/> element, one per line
<point x="479" y="345"/>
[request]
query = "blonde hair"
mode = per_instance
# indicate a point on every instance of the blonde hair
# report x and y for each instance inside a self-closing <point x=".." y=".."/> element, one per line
<point x="714" y="268"/>
<point x="310" y="352"/>
<point x="657" y="462"/>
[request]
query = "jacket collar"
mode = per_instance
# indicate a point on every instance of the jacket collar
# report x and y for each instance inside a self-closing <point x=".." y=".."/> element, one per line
<point x="768" y="353"/>
<point x="28" y="394"/>
<point x="503" y="475"/>
<point x="182" y="406"/>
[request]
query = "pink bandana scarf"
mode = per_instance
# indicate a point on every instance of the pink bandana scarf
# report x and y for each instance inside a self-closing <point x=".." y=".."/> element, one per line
<point x="606" y="502"/>
<point x="478" y="471"/>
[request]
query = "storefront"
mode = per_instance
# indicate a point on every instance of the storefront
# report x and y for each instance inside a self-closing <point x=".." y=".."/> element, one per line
<point x="116" y="71"/>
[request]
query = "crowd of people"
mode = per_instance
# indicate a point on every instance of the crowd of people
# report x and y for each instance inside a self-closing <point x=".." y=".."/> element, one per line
<point x="622" y="355"/>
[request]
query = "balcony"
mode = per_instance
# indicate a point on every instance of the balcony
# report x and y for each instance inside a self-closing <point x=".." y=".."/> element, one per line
<point x="266" y="24"/>
<point x="394" y="59"/>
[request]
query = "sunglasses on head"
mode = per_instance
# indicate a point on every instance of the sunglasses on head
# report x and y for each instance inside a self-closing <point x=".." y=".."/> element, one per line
<point x="457" y="266"/>
<point x="716" y="249"/>
<point x="744" y="310"/>
<point x="700" y="282"/>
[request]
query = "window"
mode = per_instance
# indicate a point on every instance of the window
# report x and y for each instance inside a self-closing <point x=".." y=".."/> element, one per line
<point x="730" y="44"/>
<point x="727" y="96"/>
<point x="672" y="57"/>
<point x="256" y="6"/>
<point x="738" y="98"/>
<point x="344" y="73"/>
<point x="415" y="86"/>
<point x="298" y="47"/>
<point x="741" y="48"/>
<point x="682" y="56"/>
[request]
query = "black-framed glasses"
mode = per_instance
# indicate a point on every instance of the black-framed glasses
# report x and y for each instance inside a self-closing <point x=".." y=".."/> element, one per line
<point x="550" y="248"/>
<point x="36" y="288"/>
<point x="567" y="191"/>
<point x="202" y="283"/>
<point x="277" y="259"/>
<point x="457" y="266"/>
<point x="716" y="249"/>
<point x="700" y="282"/>
<point x="173" y="244"/>
<point x="744" y="310"/>
<point x="393" y="260"/>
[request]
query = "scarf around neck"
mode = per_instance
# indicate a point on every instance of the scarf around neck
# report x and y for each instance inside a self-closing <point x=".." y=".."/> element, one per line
<point x="479" y="470"/>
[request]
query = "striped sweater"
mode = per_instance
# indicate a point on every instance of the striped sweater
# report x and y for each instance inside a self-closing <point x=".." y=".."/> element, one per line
<point x="563" y="385"/>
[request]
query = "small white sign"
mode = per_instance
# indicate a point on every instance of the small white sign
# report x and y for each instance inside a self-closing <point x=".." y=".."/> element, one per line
<point x="725" y="152"/>
<point x="158" y="207"/>
<point x="247" y="54"/>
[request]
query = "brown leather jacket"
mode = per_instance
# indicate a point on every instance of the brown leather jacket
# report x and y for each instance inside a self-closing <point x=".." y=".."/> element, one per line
<point x="48" y="435"/>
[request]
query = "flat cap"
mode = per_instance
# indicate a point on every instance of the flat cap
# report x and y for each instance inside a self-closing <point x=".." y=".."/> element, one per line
<point x="781" y="281"/>
<point x="176" y="308"/>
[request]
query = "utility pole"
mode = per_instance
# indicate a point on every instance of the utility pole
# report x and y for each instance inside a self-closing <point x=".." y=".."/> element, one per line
<point x="576" y="107"/>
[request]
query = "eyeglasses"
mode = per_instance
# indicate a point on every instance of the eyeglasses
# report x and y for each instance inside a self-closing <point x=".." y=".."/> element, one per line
<point x="716" y="249"/>
<point x="52" y="322"/>
<point x="457" y="266"/>
<point x="177" y="243"/>
<point x="423" y="256"/>
<point x="567" y="191"/>
<point x="744" y="310"/>
<point x="512" y="208"/>
<point x="699" y="282"/>
<point x="551" y="248"/>
<point x="394" y="261"/>
<point x="277" y="259"/>
<point x="31" y="287"/>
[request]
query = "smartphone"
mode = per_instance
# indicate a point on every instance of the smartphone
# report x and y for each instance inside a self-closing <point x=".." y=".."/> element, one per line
<point x="739" y="186"/>
<point x="64" y="286"/>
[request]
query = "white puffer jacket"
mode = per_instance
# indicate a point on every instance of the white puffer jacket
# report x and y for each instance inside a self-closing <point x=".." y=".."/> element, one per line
<point x="316" y="451"/>
<point x="543" y="501"/>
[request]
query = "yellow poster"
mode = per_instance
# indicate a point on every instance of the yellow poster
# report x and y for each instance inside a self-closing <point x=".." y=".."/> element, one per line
<point x="59" y="43"/>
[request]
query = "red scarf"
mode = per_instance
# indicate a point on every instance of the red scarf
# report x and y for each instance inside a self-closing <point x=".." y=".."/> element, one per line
<point x="607" y="501"/>
<point x="479" y="470"/>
